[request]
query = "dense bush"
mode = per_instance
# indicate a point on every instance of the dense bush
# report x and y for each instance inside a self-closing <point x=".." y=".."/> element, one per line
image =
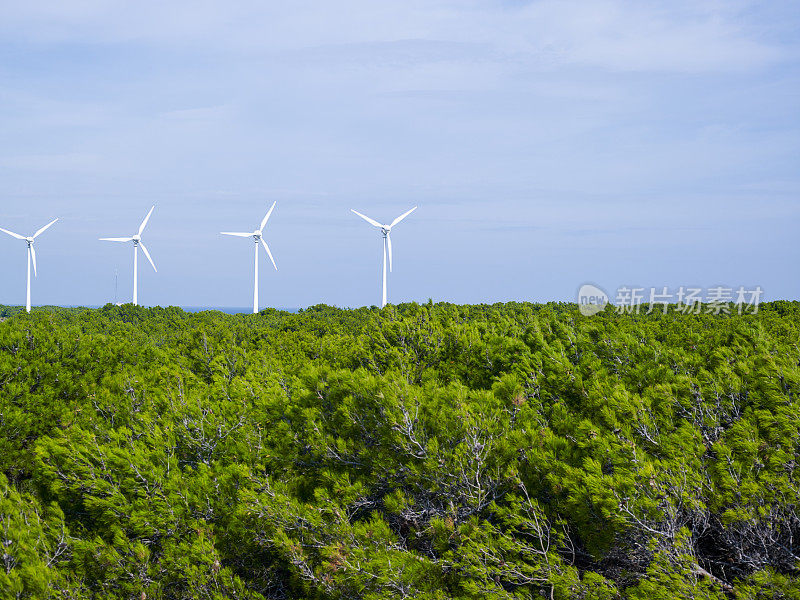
<point x="434" y="451"/>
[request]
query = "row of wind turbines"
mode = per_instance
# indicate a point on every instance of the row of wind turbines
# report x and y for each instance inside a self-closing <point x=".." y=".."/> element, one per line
<point x="257" y="235"/>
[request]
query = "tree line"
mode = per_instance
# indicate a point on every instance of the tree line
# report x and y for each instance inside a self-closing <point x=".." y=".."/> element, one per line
<point x="416" y="451"/>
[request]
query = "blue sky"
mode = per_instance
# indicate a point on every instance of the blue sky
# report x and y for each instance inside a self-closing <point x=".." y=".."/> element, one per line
<point x="547" y="144"/>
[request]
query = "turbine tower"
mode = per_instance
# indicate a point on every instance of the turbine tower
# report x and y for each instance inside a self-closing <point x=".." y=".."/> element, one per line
<point x="387" y="243"/>
<point x="137" y="241"/>
<point x="257" y="237"/>
<point x="31" y="255"/>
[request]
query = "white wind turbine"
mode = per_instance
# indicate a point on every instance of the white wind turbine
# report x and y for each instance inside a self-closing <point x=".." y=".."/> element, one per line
<point x="137" y="241"/>
<point x="31" y="255"/>
<point x="257" y="237"/>
<point x="387" y="243"/>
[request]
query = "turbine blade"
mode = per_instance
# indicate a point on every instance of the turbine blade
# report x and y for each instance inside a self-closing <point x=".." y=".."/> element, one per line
<point x="236" y="233"/>
<point x="147" y="254"/>
<point x="367" y="219"/>
<point x="116" y="239"/>
<point x="263" y="243"/>
<point x="146" y="219"/>
<point x="266" y="218"/>
<point x="45" y="227"/>
<point x="11" y="233"/>
<point x="33" y="256"/>
<point x="403" y="216"/>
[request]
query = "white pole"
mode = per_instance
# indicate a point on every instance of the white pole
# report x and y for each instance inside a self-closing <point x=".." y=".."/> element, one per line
<point x="135" y="270"/>
<point x="383" y="298"/>
<point x="28" y="297"/>
<point x="255" y="282"/>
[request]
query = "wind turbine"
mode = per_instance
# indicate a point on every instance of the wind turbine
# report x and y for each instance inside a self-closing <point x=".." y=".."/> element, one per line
<point x="31" y="255"/>
<point x="257" y="237"/>
<point x="137" y="241"/>
<point x="387" y="243"/>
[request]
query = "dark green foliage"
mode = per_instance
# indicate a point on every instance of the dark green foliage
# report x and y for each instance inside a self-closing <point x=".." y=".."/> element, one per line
<point x="435" y="451"/>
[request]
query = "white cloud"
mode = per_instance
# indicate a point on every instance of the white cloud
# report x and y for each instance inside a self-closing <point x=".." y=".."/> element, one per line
<point x="640" y="37"/>
<point x="203" y="113"/>
<point x="72" y="161"/>
<point x="610" y="34"/>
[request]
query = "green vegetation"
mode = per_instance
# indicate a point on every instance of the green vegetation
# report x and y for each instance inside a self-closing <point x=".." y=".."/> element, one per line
<point x="435" y="451"/>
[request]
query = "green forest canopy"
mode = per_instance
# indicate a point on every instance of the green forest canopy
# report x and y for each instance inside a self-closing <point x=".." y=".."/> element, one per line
<point x="418" y="451"/>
